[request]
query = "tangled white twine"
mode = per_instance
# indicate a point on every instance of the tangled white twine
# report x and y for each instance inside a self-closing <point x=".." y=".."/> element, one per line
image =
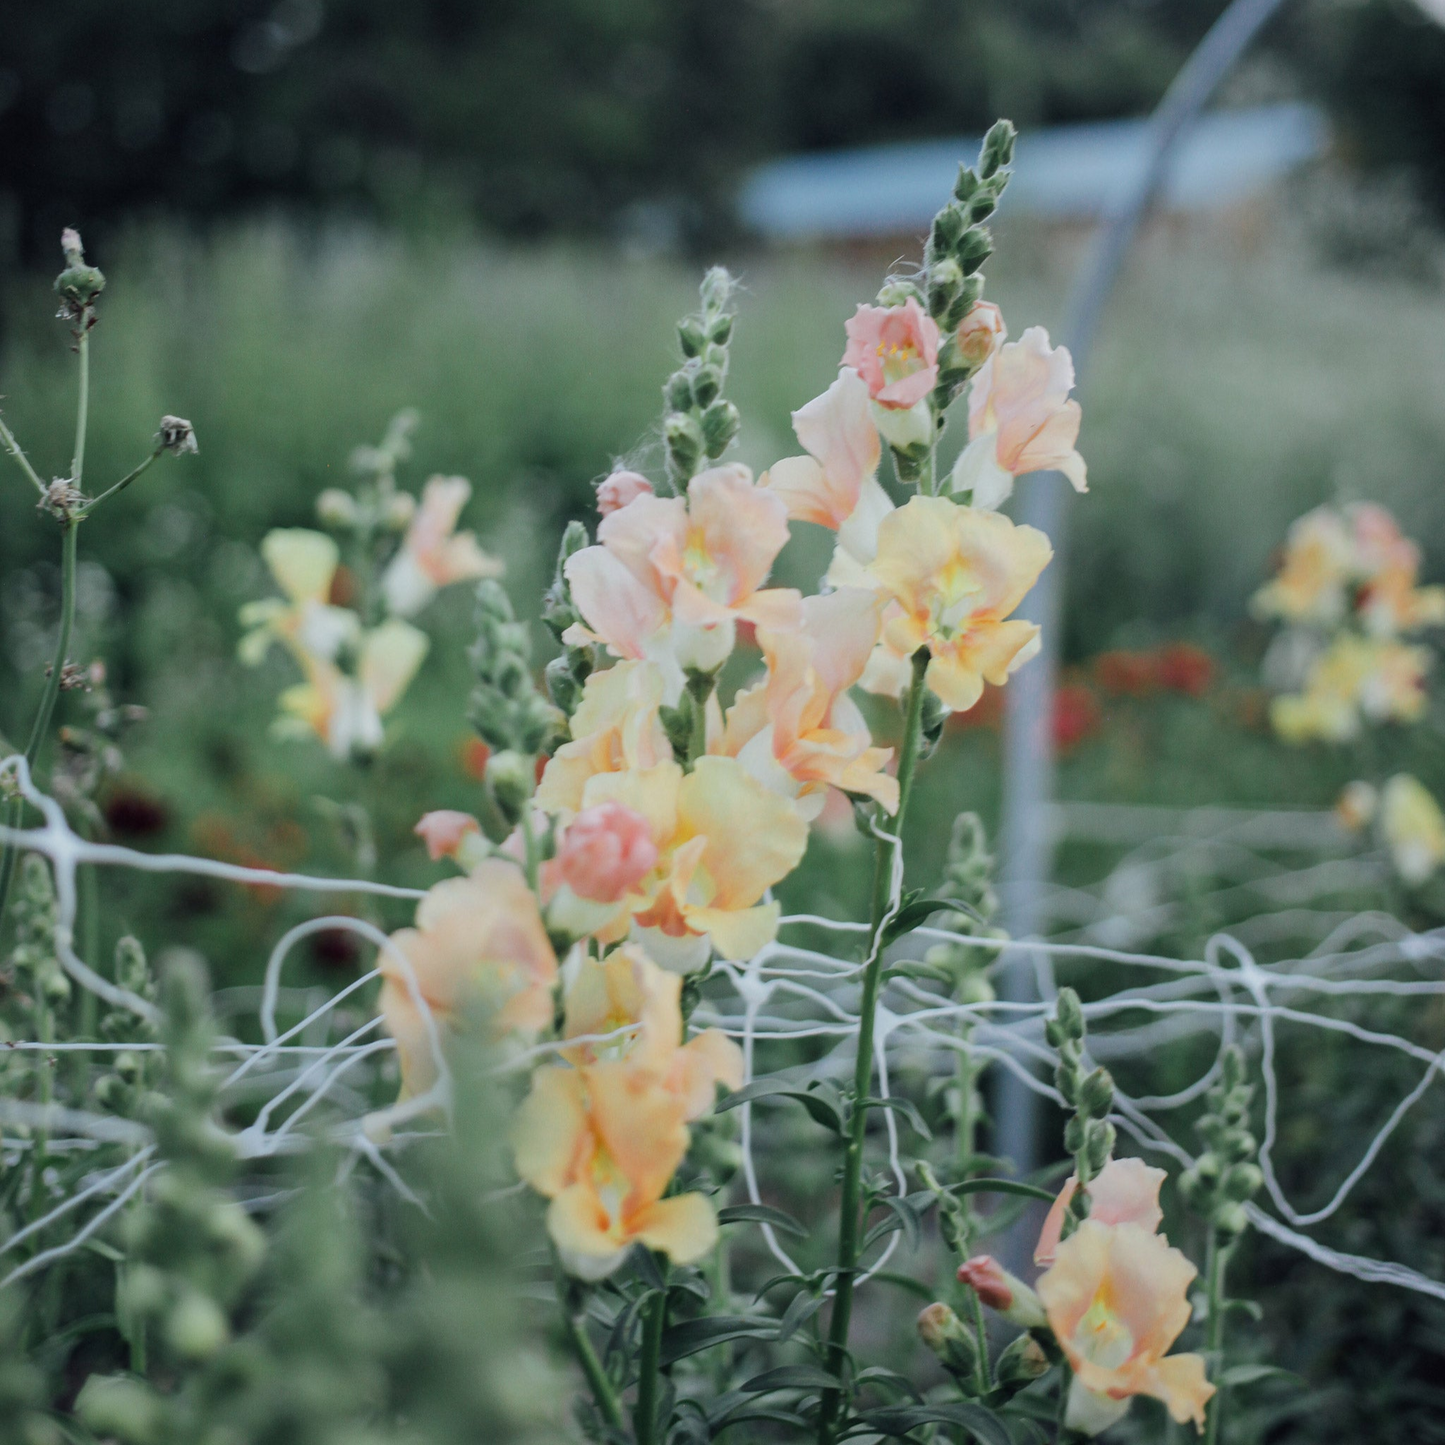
<point x="789" y="992"/>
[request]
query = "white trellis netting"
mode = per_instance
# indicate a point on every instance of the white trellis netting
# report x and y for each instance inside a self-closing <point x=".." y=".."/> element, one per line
<point x="788" y="992"/>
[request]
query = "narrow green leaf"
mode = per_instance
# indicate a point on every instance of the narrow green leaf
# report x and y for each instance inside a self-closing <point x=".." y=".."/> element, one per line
<point x="761" y="1214"/>
<point x="692" y="1336"/>
<point x="1237" y="1375"/>
<point x="907" y="1108"/>
<point x="1001" y="1186"/>
<point x="821" y="1101"/>
<point x="900" y="1420"/>
<point x="792" y="1377"/>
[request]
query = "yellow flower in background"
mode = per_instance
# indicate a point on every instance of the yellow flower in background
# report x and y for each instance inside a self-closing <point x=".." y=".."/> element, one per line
<point x="956" y="574"/>
<point x="627" y="990"/>
<point x="478" y="941"/>
<point x="1318" y="562"/>
<point x="433" y="554"/>
<point x="1117" y="1297"/>
<point x="602" y="1142"/>
<point x="1356" y="679"/>
<point x="723" y="840"/>
<point x="798" y="732"/>
<point x="616" y="727"/>
<point x="303" y="564"/>
<point x="346" y="711"/>
<point x="1413" y="828"/>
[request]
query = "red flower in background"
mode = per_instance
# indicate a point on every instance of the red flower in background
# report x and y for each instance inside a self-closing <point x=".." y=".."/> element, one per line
<point x="1076" y="715"/>
<point x="1183" y="667"/>
<point x="473" y="754"/>
<point x="1128" y="674"/>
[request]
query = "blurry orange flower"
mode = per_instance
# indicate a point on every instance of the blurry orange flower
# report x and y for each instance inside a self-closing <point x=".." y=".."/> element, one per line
<point x="1183" y="667"/>
<point x="1125" y="1191"/>
<point x="1127" y="674"/>
<point x="433" y="554"/>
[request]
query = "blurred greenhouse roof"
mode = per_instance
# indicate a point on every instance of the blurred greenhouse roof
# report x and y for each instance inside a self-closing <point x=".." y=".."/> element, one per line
<point x="1070" y="172"/>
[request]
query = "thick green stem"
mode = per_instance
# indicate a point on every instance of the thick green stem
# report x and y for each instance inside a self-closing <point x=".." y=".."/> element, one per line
<point x="597" y="1381"/>
<point x="41" y="728"/>
<point x="1215" y="1262"/>
<point x="850" y="1219"/>
<point x="644" y="1418"/>
<point x="7" y="439"/>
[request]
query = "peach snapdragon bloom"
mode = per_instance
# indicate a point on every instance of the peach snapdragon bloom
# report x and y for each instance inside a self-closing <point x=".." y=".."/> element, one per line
<point x="1020" y="419"/>
<point x="980" y="333"/>
<point x="895" y="350"/>
<point x="619" y="488"/>
<point x="603" y="853"/>
<point x="670" y="577"/>
<point x="1355" y="678"/>
<point x="1357" y="805"/>
<point x="304" y="564"/>
<point x="1390" y="603"/>
<point x="1413" y="828"/>
<point x="1125" y="1191"/>
<point x="616" y="727"/>
<point x="836" y="484"/>
<point x="956" y="574"/>
<point x="478" y="940"/>
<point x="433" y="554"/>
<point x="798" y="732"/>
<point x="602" y="1142"/>
<point x="722" y="841"/>
<point x="445" y="831"/>
<point x="1319" y="560"/>
<point x="627" y="990"/>
<point x="1117" y="1297"/>
<point x="345" y="710"/>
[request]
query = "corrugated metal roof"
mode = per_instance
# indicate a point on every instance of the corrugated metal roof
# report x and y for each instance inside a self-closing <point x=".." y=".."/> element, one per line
<point x="1067" y="172"/>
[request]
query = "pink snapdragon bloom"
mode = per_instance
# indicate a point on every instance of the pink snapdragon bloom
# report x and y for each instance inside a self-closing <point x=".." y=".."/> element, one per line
<point x="895" y="350"/>
<point x="670" y="577"/>
<point x="980" y="333"/>
<point x="621" y="488"/>
<point x="433" y="553"/>
<point x="1020" y="419"/>
<point x="444" y="832"/>
<point x="1001" y="1291"/>
<point x="606" y="851"/>
<point x="1125" y="1191"/>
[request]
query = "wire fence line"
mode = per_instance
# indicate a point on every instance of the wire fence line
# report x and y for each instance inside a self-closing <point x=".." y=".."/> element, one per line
<point x="791" y="991"/>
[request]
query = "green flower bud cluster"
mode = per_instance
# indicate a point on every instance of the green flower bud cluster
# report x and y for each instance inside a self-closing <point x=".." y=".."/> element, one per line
<point x="698" y="421"/>
<point x="37" y="967"/>
<point x="23" y="1393"/>
<point x="968" y="877"/>
<point x="506" y="707"/>
<point x="566" y="674"/>
<point x="1225" y="1178"/>
<point x="191" y="1249"/>
<point x="958" y="245"/>
<point x="78" y="284"/>
<point x="379" y="507"/>
<point x="122" y="1087"/>
<point x="1088" y="1136"/>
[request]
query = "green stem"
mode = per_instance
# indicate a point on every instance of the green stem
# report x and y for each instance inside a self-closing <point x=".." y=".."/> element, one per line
<point x="600" y="1385"/>
<point x="850" y="1214"/>
<point x="644" y="1419"/>
<point x="1215" y="1262"/>
<point x="121" y="485"/>
<point x="7" y="438"/>
<point x="1066" y="1379"/>
<point x="41" y="727"/>
<point x="82" y="405"/>
<point x="980" y="1331"/>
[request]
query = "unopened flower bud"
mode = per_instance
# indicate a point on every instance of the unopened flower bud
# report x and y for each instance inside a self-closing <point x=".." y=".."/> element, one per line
<point x="706" y="385"/>
<point x="1070" y="1014"/>
<point x="444" y="831"/>
<point x="400" y="509"/>
<point x="720" y="423"/>
<point x="897" y="292"/>
<point x="684" y="438"/>
<point x="980" y="332"/>
<point x="948" y="227"/>
<point x="998" y="148"/>
<point x="691" y="336"/>
<point x="720" y="329"/>
<point x="196" y="1328"/>
<point x="974" y="249"/>
<point x="1099" y="1139"/>
<point x="510" y="777"/>
<point x="717" y="288"/>
<point x="78" y="284"/>
<point x="1021" y="1363"/>
<point x="617" y="491"/>
<point x="1074" y="1135"/>
<point x="1231" y="1219"/>
<point x="1096" y="1093"/>
<point x="1243" y="1182"/>
<point x="946" y="1336"/>
<point x="1003" y="1292"/>
<point x="1231" y="1068"/>
<point x="677" y="392"/>
<point x="177" y="436"/>
<point x="945" y="278"/>
<point x="563" y="686"/>
<point x="335" y="508"/>
<point x="121" y="1408"/>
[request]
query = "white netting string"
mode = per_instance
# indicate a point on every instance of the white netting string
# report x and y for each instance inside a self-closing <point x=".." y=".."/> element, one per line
<point x="789" y="992"/>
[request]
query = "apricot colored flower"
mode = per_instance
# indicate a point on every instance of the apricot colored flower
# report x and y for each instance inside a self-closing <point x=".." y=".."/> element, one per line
<point x="602" y="1142"/>
<point x="616" y="727"/>
<point x="722" y="841"/>
<point x="1125" y="1191"/>
<point x="628" y="989"/>
<point x="1002" y="1291"/>
<point x="444" y="831"/>
<point x="433" y="554"/>
<point x="1355" y="678"/>
<point x="798" y="732"/>
<point x="670" y="577"/>
<point x="895" y="350"/>
<point x="980" y="333"/>
<point x="344" y="710"/>
<point x="1318" y="562"/>
<point x="1413" y="828"/>
<point x="303" y="564"/>
<point x="1357" y="805"/>
<point x="620" y="488"/>
<point x="478" y="940"/>
<point x="1020" y="419"/>
<point x="1117" y="1299"/>
<point x="605" y="851"/>
<point x="956" y="573"/>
